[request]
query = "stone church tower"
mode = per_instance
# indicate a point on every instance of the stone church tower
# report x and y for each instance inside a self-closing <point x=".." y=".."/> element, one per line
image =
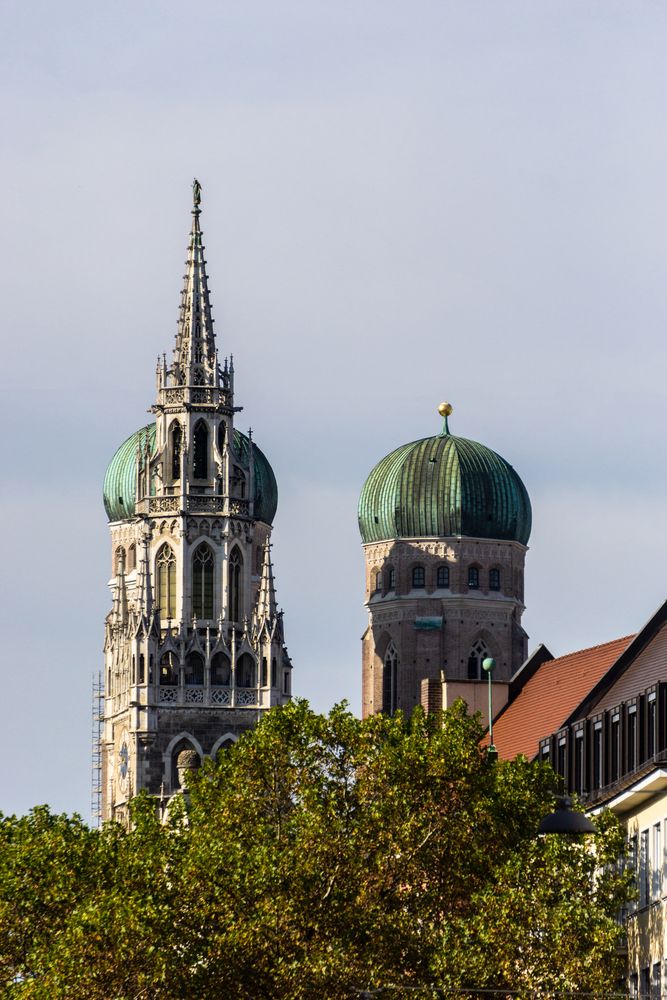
<point x="445" y="524"/>
<point x="194" y="645"/>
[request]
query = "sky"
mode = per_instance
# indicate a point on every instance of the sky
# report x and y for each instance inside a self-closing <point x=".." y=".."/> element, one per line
<point x="403" y="202"/>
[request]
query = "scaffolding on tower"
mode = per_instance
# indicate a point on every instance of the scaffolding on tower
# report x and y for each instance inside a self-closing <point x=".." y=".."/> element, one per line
<point x="96" y="769"/>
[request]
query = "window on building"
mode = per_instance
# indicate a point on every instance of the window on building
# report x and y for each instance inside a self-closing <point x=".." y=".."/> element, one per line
<point x="166" y="582"/>
<point x="478" y="653"/>
<point x="418" y="577"/>
<point x="597" y="755"/>
<point x="390" y="680"/>
<point x="221" y="436"/>
<point x="286" y="682"/>
<point x="131" y="564"/>
<point x="651" y="727"/>
<point x="221" y="671"/>
<point x="643" y="869"/>
<point x="119" y="560"/>
<point x="632" y="861"/>
<point x="473" y="577"/>
<point x="579" y="762"/>
<point x="194" y="669"/>
<point x="169" y="669"/>
<point x="274" y="672"/>
<point x="392" y="578"/>
<point x="442" y="579"/>
<point x="180" y="746"/>
<point x="200" y="451"/>
<point x="265" y="672"/>
<point x="656" y="863"/>
<point x="378" y="581"/>
<point x="494" y="579"/>
<point x="631" y="737"/>
<point x="615" y="748"/>
<point x="142" y="668"/>
<point x="235" y="586"/>
<point x="245" y="671"/>
<point x="176" y="447"/>
<point x="203" y="566"/>
<point x="656" y="981"/>
<point x="645" y="983"/>
<point x="561" y="760"/>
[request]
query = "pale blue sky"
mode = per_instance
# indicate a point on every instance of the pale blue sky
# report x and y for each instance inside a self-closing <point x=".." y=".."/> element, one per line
<point x="403" y="202"/>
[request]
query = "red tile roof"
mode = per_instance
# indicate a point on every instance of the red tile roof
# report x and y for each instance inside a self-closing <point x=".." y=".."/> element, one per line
<point x="550" y="697"/>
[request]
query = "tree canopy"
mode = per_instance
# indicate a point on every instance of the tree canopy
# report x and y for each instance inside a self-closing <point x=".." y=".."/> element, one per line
<point x="321" y="856"/>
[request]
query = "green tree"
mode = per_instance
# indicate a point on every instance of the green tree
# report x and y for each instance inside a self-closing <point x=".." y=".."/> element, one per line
<point x="319" y="857"/>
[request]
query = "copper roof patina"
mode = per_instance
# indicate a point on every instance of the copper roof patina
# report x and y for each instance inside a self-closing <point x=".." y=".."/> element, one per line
<point x="120" y="481"/>
<point x="444" y="485"/>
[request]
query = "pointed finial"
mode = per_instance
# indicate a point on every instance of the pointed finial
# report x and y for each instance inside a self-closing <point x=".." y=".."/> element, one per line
<point x="445" y="410"/>
<point x="196" y="193"/>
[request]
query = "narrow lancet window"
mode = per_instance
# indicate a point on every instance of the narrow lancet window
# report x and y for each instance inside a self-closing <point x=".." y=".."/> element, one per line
<point x="200" y="453"/>
<point x="166" y="582"/>
<point x="389" y="680"/>
<point x="203" y="565"/>
<point x="176" y="445"/>
<point x="235" y="586"/>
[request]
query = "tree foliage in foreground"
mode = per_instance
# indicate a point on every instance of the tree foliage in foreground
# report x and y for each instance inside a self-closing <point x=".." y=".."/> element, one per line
<point x="320" y="856"/>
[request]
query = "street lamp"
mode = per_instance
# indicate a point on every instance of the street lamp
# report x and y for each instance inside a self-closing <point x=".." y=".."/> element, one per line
<point x="488" y="666"/>
<point x="566" y="820"/>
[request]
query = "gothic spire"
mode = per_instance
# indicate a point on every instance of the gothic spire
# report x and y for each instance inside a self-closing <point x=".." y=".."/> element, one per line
<point x="195" y="360"/>
<point x="267" y="605"/>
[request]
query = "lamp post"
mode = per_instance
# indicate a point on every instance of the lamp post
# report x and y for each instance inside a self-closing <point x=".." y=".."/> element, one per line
<point x="565" y="819"/>
<point x="488" y="666"/>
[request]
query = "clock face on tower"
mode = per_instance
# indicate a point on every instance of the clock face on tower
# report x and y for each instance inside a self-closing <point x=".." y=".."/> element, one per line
<point x="123" y="763"/>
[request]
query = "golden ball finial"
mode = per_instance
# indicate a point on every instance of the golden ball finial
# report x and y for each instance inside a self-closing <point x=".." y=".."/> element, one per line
<point x="445" y="409"/>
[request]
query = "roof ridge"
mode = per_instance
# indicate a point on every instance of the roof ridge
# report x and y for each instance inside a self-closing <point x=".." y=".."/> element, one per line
<point x="590" y="649"/>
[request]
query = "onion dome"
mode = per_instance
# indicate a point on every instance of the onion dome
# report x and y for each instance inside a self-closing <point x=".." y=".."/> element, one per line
<point x="444" y="486"/>
<point x="120" y="481"/>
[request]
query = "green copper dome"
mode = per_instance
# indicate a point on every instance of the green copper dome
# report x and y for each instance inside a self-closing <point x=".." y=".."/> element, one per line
<point x="444" y="485"/>
<point x="120" y="481"/>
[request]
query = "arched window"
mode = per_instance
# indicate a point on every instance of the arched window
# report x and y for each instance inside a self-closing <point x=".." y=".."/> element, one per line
<point x="378" y="581"/>
<point x="265" y="672"/>
<point x="221" y="436"/>
<point x="119" y="560"/>
<point x="221" y="671"/>
<point x="389" y="678"/>
<point x="176" y="447"/>
<point x="169" y="669"/>
<point x="494" y="579"/>
<point x="181" y="746"/>
<point x="245" y="671"/>
<point x="477" y="654"/>
<point x="203" y="565"/>
<point x="142" y="668"/>
<point x="166" y="582"/>
<point x="194" y="669"/>
<point x="473" y="577"/>
<point x="418" y="577"/>
<point x="235" y="586"/>
<point x="200" y="452"/>
<point x="443" y="576"/>
<point x="391" y="583"/>
<point x="274" y="672"/>
<point x="131" y="558"/>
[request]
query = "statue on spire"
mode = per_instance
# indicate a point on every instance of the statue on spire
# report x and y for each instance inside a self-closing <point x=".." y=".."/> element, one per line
<point x="196" y="193"/>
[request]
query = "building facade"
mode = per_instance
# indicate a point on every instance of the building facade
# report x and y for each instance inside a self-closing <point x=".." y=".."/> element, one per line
<point x="445" y="523"/>
<point x="194" y="645"/>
